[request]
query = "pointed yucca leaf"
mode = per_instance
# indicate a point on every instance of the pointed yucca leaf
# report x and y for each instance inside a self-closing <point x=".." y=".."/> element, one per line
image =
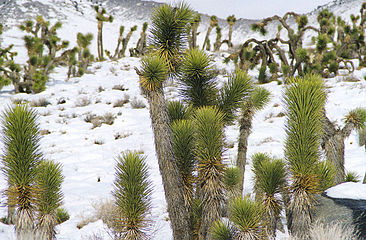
<point x="233" y="94"/>
<point x="357" y="117"/>
<point x="177" y="110"/>
<point x="221" y="230"/>
<point x="49" y="180"/>
<point x="183" y="144"/>
<point x="198" y="86"/>
<point x="168" y="31"/>
<point x="247" y="216"/>
<point x="132" y="193"/>
<point x="154" y="71"/>
<point x="260" y="98"/>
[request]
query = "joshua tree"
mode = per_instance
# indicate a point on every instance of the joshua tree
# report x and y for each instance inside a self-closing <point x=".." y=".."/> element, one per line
<point x="295" y="38"/>
<point x="213" y="22"/>
<point x="9" y="70"/>
<point x="140" y="49"/>
<point x="209" y="123"/>
<point x="247" y="221"/>
<point x="256" y="101"/>
<point x="84" y="55"/>
<point x="304" y="100"/>
<point x="269" y="183"/>
<point x="101" y="18"/>
<point x="39" y="64"/>
<point x="231" y="21"/>
<point x="218" y="41"/>
<point x="119" y="42"/>
<point x="49" y="182"/>
<point x="125" y="42"/>
<point x="194" y="26"/>
<point x="153" y="73"/>
<point x="132" y="193"/>
<point x="21" y="158"/>
<point x="333" y="140"/>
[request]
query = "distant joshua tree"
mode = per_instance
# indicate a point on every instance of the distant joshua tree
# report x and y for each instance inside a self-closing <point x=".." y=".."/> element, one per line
<point x="101" y="18"/>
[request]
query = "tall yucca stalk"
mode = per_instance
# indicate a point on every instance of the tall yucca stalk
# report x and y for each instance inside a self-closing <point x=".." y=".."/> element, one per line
<point x="231" y="21"/>
<point x="132" y="193"/>
<point x="208" y="151"/>
<point x="197" y="79"/>
<point x="21" y="158"/>
<point x="213" y="23"/>
<point x="153" y="73"/>
<point x="50" y="198"/>
<point x="304" y="100"/>
<point x="183" y="143"/>
<point x="168" y="31"/>
<point x="256" y="101"/>
<point x="269" y="181"/>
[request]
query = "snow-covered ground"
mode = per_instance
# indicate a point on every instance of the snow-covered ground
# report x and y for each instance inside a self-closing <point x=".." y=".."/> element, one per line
<point x="88" y="154"/>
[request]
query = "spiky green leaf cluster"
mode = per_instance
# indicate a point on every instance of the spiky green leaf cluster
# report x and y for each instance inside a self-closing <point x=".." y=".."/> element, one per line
<point x="270" y="174"/>
<point x="132" y="193"/>
<point x="177" y="110"/>
<point x="259" y="98"/>
<point x="357" y="117"/>
<point x="233" y="94"/>
<point x="198" y="86"/>
<point x="304" y="100"/>
<point x="154" y="71"/>
<point x="247" y="217"/>
<point x="183" y="132"/>
<point x="49" y="180"/>
<point x="168" y="31"/>
<point x="231" y="177"/>
<point x="221" y="230"/>
<point x="21" y="155"/>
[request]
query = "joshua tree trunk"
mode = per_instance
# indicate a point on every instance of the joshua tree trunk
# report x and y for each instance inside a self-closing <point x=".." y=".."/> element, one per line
<point x="172" y="182"/>
<point x="244" y="132"/>
<point x="46" y="228"/>
<point x="24" y="225"/>
<point x="230" y="44"/>
<point x="100" y="40"/>
<point x="207" y="37"/>
<point x="364" y="179"/>
<point x="300" y="219"/>
<point x="333" y="144"/>
<point x="124" y="44"/>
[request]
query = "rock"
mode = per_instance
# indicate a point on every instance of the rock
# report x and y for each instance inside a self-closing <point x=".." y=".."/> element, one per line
<point x="347" y="212"/>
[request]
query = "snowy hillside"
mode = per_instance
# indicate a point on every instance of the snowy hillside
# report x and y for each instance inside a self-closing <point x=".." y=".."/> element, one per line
<point x="88" y="153"/>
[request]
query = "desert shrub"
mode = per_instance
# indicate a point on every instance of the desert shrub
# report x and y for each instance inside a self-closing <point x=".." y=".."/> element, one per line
<point x="119" y="87"/>
<point x="41" y="102"/>
<point x="82" y="102"/>
<point x="352" y="177"/>
<point x="62" y="215"/>
<point x="137" y="104"/>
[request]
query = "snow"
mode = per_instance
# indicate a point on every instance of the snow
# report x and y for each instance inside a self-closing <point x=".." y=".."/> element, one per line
<point x="72" y="141"/>
<point x="348" y="190"/>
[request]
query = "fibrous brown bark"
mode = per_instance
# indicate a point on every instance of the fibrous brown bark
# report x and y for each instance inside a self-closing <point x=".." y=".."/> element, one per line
<point x="333" y="144"/>
<point x="172" y="182"/>
<point x="244" y="132"/>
